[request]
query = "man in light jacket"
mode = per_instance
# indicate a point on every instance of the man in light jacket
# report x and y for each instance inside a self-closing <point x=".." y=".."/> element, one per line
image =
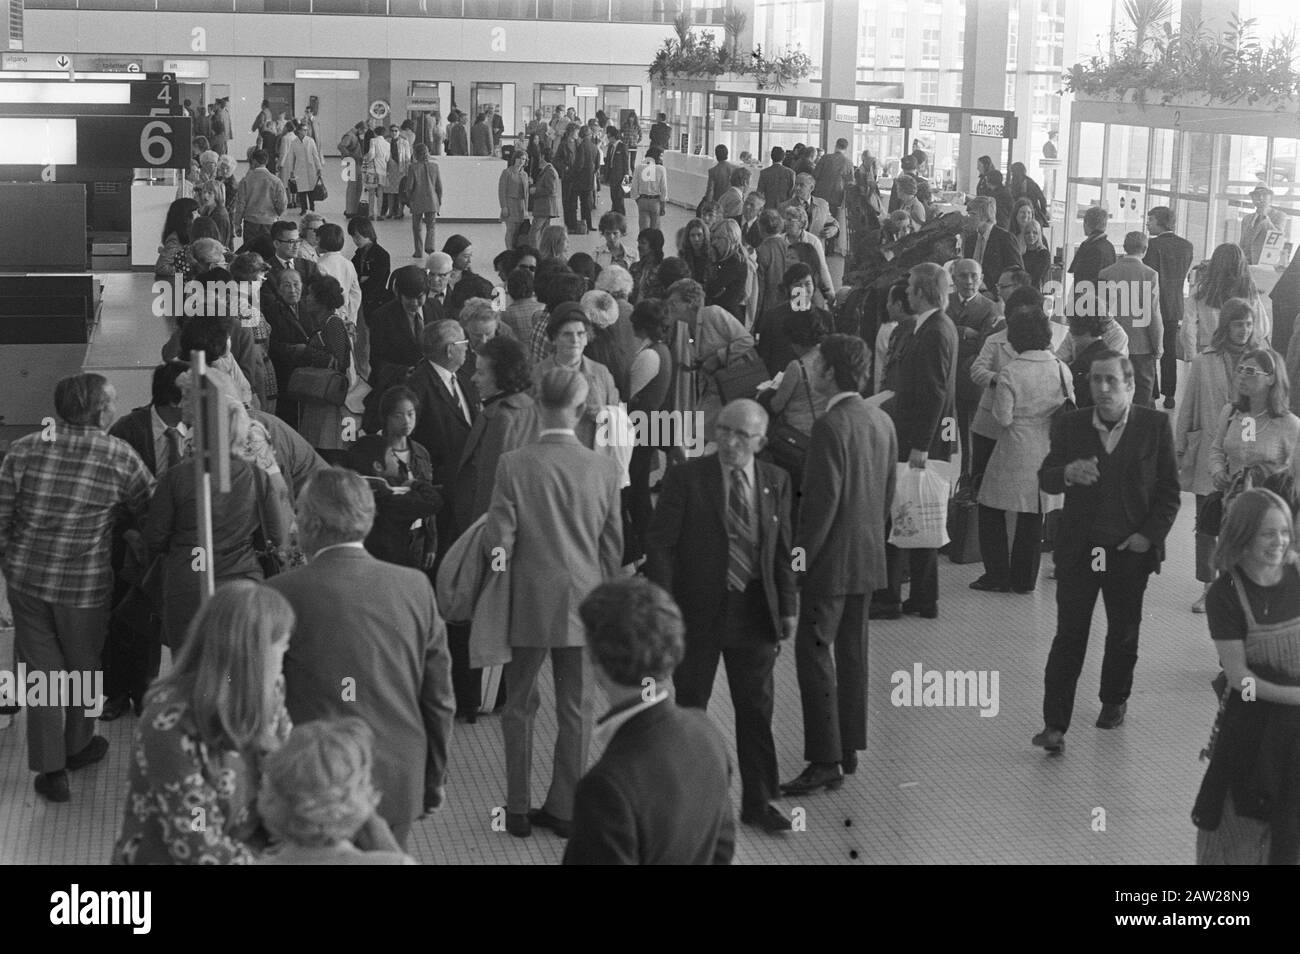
<point x="422" y="187"/>
<point x="260" y="200"/>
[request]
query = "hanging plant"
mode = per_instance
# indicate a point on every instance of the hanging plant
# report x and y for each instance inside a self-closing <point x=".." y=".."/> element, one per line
<point x="692" y="55"/>
<point x="1154" y="56"/>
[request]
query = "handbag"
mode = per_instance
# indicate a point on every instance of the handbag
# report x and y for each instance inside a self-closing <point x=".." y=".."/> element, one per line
<point x="740" y="378"/>
<point x="320" y="193"/>
<point x="326" y="385"/>
<point x="1067" y="403"/>
<point x="963" y="528"/>
<point x="293" y="185"/>
<point x="787" y="445"/>
<point x="264" y="548"/>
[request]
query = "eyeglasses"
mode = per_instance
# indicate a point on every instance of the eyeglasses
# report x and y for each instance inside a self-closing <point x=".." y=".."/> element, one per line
<point x="462" y="341"/>
<point x="1251" y="372"/>
<point x="722" y="432"/>
<point x="1002" y="285"/>
<point x="293" y="241"/>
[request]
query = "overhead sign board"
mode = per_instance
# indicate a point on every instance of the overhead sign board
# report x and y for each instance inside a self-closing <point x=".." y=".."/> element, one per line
<point x="134" y="142"/>
<point x="586" y="92"/>
<point x="190" y="69"/>
<point x="810" y="109"/>
<point x="886" y="116"/>
<point x="747" y="104"/>
<point x="734" y="102"/>
<point x="846" y="114"/>
<point x="777" y="106"/>
<point x="933" y="121"/>
<point x="994" y="126"/>
<point x="34" y="61"/>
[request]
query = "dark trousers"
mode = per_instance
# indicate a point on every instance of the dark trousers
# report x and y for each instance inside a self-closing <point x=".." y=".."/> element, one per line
<point x="1020" y="567"/>
<point x="132" y="657"/>
<point x="748" y="648"/>
<point x="1144" y="379"/>
<point x="466" y="683"/>
<point x="640" y="505"/>
<point x="569" y="202"/>
<point x="833" y="692"/>
<point x="1122" y="584"/>
<point x="587" y="199"/>
<point x="965" y="412"/>
<point x="616" y="197"/>
<point x="924" y="566"/>
<point x="51" y="638"/>
<point x="981" y="449"/>
<point x="1169" y="361"/>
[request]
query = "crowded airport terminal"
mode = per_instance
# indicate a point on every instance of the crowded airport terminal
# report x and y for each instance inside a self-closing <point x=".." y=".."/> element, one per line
<point x="599" y="432"/>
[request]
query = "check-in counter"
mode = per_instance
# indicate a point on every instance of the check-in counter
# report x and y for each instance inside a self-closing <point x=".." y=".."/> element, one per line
<point x="687" y="177"/>
<point x="45" y="325"/>
<point x="469" y="187"/>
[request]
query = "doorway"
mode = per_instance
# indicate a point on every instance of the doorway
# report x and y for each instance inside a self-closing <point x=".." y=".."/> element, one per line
<point x="280" y="96"/>
<point x="427" y="105"/>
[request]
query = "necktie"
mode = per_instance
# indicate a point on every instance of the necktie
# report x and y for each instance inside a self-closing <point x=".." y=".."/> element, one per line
<point x="739" y="566"/>
<point x="455" y="398"/>
<point x="173" y="437"/>
<point x="417" y="324"/>
<point x="980" y="244"/>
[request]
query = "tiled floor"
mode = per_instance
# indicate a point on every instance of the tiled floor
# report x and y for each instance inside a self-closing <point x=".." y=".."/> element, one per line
<point x="934" y="786"/>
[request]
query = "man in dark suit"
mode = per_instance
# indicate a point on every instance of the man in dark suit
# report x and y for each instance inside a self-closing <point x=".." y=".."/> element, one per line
<point x="776" y="182"/>
<point x="556" y="520"/>
<point x="990" y="244"/>
<point x="368" y="641"/>
<point x="719" y="177"/>
<point x="923" y="376"/>
<point x="975" y="316"/>
<point x="284" y="246"/>
<point x="396" y="327"/>
<point x="458" y="136"/>
<point x="584" y="174"/>
<point x="1094" y="253"/>
<point x="834" y="174"/>
<point x="720" y="542"/>
<point x="659" y="794"/>
<point x="660" y="132"/>
<point x="1171" y="256"/>
<point x="1115" y="464"/>
<point x="848" y="486"/>
<point x="448" y="404"/>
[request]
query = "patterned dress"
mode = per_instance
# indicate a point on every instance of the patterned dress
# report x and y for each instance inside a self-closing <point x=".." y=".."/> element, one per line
<point x="190" y="803"/>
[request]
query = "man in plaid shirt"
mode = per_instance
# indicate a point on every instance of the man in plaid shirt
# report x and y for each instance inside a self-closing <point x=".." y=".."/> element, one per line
<point x="59" y="489"/>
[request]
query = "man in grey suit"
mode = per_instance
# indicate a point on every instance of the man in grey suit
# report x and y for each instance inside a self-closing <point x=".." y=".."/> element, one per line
<point x="776" y="182"/>
<point x="719" y="177"/>
<point x="840" y="549"/>
<point x="369" y="642"/>
<point x="1130" y="294"/>
<point x="555" y="520"/>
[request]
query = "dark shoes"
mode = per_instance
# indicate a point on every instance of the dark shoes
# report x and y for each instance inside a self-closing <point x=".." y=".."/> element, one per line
<point x="544" y="819"/>
<point x="518" y="825"/>
<point x="925" y="611"/>
<point x="467" y="715"/>
<point x="849" y="764"/>
<point x="115" y="709"/>
<point x="817" y="775"/>
<point x="1169" y="404"/>
<point x="1112" y="715"/>
<point x="883" y="611"/>
<point x="989" y="585"/>
<point x="769" y="818"/>
<point x="1022" y="590"/>
<point x="1053" y="740"/>
<point x="91" y="754"/>
<point x="53" y="786"/>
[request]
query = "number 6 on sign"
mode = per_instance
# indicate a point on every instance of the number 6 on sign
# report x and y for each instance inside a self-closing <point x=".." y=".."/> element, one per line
<point x="155" y="149"/>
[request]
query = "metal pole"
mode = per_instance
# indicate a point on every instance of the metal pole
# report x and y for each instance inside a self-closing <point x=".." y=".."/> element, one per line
<point x="203" y="474"/>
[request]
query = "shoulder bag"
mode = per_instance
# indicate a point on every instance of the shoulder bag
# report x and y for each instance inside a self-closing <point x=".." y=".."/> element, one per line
<point x="740" y="378"/>
<point x="320" y="193"/>
<point x="787" y="446"/>
<point x="1067" y="403"/>
<point x="327" y="385"/>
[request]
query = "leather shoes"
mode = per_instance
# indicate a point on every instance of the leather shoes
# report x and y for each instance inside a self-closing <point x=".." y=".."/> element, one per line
<point x="91" y="754"/>
<point x="1053" y="740"/>
<point x="1169" y="404"/>
<point x="1022" y="590"/>
<point x="544" y="819"/>
<point x="518" y="824"/>
<point x="53" y="786"/>
<point x="817" y="775"/>
<point x="769" y="818"/>
<point x="990" y="586"/>
<point x="849" y="764"/>
<point x="115" y="709"/>
<point x="912" y="608"/>
<point x="468" y="716"/>
<point x="883" y="611"/>
<point x="1112" y="715"/>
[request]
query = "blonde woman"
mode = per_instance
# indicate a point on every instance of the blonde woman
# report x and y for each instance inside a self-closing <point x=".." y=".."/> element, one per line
<point x="728" y="271"/>
<point x="205" y="732"/>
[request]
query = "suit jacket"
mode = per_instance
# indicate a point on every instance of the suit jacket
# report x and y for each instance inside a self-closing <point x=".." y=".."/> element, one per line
<point x="848" y="486"/>
<point x="834" y="174"/>
<point x="457" y="140"/>
<point x="658" y="795"/>
<point x="1255" y="228"/>
<point x="306" y="269"/>
<point x="820" y="217"/>
<point x="923" y="376"/>
<point x="439" y="426"/>
<point x="1171" y="256"/>
<point x="1147" y="338"/>
<point x="372" y="627"/>
<point x="1093" y="254"/>
<point x="687" y="544"/>
<point x="776" y="183"/>
<point x="136" y="429"/>
<point x="392" y="340"/>
<point x="980" y="315"/>
<point x="505" y="424"/>
<point x="556" y="515"/>
<point x="1000" y="253"/>
<point x="480" y="139"/>
<point x="1145" y="454"/>
<point x="719" y="180"/>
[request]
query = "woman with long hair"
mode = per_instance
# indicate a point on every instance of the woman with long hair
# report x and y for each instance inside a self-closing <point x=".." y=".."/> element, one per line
<point x="650" y="255"/>
<point x="1249" y="800"/>
<point x="1035" y="255"/>
<point x="1023" y="187"/>
<point x="1257" y="435"/>
<point x="728" y="271"/>
<point x="554" y="242"/>
<point x="175" y="237"/>
<point x="206" y="730"/>
<point x="693" y="249"/>
<point x="1226" y="275"/>
<point x="1211" y="384"/>
<point x="1022" y="213"/>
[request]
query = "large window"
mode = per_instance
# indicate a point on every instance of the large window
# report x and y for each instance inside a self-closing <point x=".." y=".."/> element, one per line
<point x="898" y="37"/>
<point x="646" y="11"/>
<point x="867" y="34"/>
<point x="572" y="9"/>
<point x="928" y="88"/>
<point x="931" y="28"/>
<point x="1013" y="37"/>
<point x="787" y="24"/>
<point x="379" y="7"/>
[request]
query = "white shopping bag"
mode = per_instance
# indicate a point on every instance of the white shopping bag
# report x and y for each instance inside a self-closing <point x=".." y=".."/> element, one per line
<point x="919" y="515"/>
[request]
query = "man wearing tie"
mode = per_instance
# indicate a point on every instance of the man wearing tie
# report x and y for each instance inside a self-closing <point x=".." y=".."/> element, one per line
<point x="438" y="269"/>
<point x="720" y="542"/>
<point x="448" y="405"/>
<point x="395" y="328"/>
<point x="975" y="316"/>
<point x="990" y="244"/>
<point x="1256" y="226"/>
<point x="848" y="485"/>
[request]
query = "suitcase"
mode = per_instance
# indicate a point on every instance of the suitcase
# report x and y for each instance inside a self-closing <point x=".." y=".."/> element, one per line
<point x="963" y="530"/>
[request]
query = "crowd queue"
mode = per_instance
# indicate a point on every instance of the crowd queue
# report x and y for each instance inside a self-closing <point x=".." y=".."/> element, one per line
<point x="423" y="510"/>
